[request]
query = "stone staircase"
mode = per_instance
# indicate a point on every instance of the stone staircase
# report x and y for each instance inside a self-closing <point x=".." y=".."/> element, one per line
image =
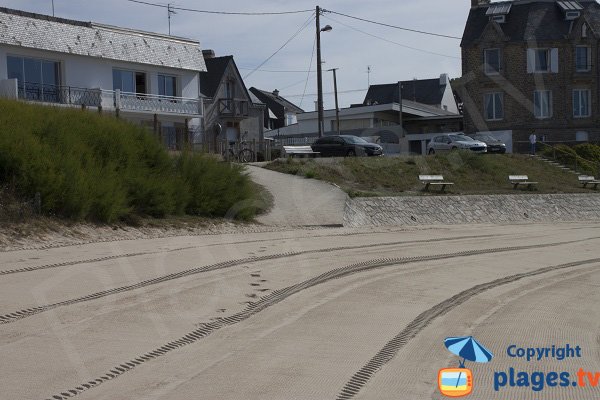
<point x="556" y="164"/>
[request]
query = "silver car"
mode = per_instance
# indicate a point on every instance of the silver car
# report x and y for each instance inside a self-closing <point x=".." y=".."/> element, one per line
<point x="455" y="141"/>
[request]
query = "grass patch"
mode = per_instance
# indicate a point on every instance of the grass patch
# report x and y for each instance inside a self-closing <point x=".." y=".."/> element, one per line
<point x="397" y="176"/>
<point x="97" y="168"/>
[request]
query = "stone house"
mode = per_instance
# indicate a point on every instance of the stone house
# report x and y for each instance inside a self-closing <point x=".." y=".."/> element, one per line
<point x="230" y="112"/>
<point x="532" y="64"/>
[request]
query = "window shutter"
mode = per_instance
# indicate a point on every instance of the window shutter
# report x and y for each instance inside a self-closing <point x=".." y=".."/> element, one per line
<point x="554" y="60"/>
<point x="530" y="61"/>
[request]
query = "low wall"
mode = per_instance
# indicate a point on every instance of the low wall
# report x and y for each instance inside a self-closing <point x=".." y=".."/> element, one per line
<point x="448" y="210"/>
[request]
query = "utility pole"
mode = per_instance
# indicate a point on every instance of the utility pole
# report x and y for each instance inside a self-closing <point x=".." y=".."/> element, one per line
<point x="400" y="101"/>
<point x="53" y="8"/>
<point x="337" y="109"/>
<point x="319" y="74"/>
<point x="326" y="28"/>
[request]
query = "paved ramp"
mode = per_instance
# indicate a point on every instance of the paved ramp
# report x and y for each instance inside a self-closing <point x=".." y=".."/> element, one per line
<point x="299" y="201"/>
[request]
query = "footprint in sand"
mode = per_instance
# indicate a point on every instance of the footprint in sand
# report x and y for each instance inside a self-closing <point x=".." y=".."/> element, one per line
<point x="251" y="295"/>
<point x="263" y="290"/>
<point x="255" y="284"/>
<point x="255" y="275"/>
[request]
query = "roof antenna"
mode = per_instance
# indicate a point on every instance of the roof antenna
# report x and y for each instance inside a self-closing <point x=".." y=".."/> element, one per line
<point x="368" y="76"/>
<point x="169" y="12"/>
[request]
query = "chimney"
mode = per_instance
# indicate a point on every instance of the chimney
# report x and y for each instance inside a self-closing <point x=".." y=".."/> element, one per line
<point x="276" y="93"/>
<point x="444" y="79"/>
<point x="208" y="54"/>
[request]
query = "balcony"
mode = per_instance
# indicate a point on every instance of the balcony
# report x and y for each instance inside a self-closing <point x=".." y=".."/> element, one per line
<point x="155" y="104"/>
<point x="59" y="94"/>
<point x="233" y="108"/>
<point x="101" y="99"/>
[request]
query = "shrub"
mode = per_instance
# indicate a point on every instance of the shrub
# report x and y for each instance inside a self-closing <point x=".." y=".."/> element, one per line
<point x="87" y="166"/>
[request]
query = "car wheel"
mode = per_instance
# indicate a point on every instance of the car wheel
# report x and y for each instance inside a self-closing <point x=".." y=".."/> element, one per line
<point x="454" y="148"/>
<point x="431" y="151"/>
<point x="351" y="153"/>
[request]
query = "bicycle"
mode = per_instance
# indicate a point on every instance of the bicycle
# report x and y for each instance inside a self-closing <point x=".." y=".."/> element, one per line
<point x="244" y="155"/>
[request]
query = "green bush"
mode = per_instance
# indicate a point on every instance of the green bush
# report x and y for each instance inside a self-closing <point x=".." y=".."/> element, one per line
<point x="87" y="166"/>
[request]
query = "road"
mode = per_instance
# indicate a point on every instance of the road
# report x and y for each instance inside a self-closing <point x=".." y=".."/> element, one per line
<point x="327" y="313"/>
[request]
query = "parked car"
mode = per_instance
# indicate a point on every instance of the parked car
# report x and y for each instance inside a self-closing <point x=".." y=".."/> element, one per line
<point x="494" y="145"/>
<point x="455" y="141"/>
<point x="345" y="146"/>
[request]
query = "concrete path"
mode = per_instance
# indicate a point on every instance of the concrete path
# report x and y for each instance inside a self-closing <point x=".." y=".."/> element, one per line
<point x="299" y="201"/>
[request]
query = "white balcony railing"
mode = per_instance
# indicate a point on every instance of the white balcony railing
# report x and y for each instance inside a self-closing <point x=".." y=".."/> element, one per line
<point x="154" y="103"/>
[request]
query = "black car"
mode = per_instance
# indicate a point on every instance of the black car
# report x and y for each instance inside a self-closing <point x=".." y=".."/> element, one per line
<point x="345" y="146"/>
<point x="493" y="145"/>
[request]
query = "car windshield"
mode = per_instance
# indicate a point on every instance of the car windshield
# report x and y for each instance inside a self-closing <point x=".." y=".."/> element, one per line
<point x="461" y="138"/>
<point x="486" y="138"/>
<point x="355" y="140"/>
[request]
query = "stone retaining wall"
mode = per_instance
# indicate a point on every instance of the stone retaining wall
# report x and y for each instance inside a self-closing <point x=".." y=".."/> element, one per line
<point x="447" y="210"/>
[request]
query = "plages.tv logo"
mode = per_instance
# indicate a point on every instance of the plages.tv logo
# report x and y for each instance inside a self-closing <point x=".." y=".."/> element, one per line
<point x="458" y="382"/>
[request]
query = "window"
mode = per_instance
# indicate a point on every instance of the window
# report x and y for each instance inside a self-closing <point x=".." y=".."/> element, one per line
<point x="492" y="61"/>
<point x="167" y="85"/>
<point x="582" y="58"/>
<point x="129" y="81"/>
<point x="37" y="79"/>
<point x="542" y="104"/>
<point x="494" y="106"/>
<point x="581" y="103"/>
<point x="542" y="60"/>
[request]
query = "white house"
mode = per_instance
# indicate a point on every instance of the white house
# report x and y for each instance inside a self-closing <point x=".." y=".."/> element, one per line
<point x="144" y="77"/>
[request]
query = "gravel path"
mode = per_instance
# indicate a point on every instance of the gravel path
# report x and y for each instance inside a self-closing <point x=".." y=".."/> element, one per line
<point x="299" y="201"/>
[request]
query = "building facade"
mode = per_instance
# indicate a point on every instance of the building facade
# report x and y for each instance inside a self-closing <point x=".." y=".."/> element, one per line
<point x="147" y="78"/>
<point x="279" y="112"/>
<point x="229" y="111"/>
<point x="532" y="65"/>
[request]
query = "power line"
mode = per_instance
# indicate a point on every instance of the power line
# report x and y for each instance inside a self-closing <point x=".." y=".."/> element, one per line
<point x="339" y="92"/>
<point x="278" y="71"/>
<point x="218" y="12"/>
<point x="312" y="55"/>
<point x="393" y="26"/>
<point x="303" y="27"/>
<point x="391" y="41"/>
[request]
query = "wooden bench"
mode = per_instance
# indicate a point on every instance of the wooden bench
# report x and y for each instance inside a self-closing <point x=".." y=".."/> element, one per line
<point x="434" y="180"/>
<point x="588" y="180"/>
<point x="292" y="151"/>
<point x="521" y="180"/>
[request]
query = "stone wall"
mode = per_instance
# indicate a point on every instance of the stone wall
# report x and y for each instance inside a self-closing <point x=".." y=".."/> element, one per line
<point x="449" y="210"/>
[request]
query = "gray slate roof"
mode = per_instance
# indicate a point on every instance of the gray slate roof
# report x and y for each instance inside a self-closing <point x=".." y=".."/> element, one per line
<point x="529" y="20"/>
<point x="23" y="29"/>
<point x="425" y="91"/>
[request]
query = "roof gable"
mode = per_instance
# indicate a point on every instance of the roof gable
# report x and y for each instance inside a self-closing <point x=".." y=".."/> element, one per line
<point x="217" y="70"/>
<point x="276" y="103"/>
<point x="35" y="31"/>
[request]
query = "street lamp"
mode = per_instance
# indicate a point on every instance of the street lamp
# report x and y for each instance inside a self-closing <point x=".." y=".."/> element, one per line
<point x="337" y="109"/>
<point x="326" y="28"/>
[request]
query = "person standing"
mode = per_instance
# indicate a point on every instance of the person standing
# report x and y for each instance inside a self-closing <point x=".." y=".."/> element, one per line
<point x="532" y="142"/>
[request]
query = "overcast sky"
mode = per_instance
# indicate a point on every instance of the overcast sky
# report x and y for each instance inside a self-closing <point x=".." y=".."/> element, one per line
<point x="252" y="39"/>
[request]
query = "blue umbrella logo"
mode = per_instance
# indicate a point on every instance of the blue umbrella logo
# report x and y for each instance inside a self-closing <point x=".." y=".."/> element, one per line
<point x="469" y="349"/>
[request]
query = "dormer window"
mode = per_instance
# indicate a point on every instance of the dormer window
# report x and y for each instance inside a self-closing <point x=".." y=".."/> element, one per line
<point x="498" y="12"/>
<point x="571" y="9"/>
<point x="571" y="15"/>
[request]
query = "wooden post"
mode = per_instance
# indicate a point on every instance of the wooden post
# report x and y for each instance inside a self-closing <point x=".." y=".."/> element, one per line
<point x="187" y="134"/>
